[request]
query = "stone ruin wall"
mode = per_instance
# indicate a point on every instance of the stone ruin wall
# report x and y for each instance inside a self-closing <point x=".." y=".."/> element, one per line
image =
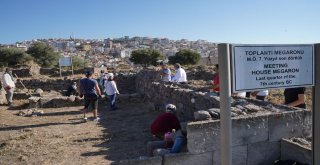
<point x="125" y="83"/>
<point x="28" y="71"/>
<point x="256" y="136"/>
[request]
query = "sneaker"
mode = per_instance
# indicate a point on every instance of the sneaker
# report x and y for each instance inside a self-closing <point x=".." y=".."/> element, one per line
<point x="97" y="119"/>
<point x="85" y="119"/>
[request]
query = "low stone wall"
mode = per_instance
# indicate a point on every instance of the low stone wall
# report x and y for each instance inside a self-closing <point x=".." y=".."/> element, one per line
<point x="27" y="71"/>
<point x="125" y="83"/>
<point x="160" y="93"/>
<point x="46" y="85"/>
<point x="56" y="71"/>
<point x="255" y="139"/>
<point x="295" y="151"/>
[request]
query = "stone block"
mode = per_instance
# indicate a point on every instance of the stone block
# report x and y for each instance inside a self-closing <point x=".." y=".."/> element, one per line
<point x="157" y="160"/>
<point x="189" y="159"/>
<point x="307" y="126"/>
<point x="34" y="99"/>
<point x="285" y="125"/>
<point x="252" y="129"/>
<point x="202" y="115"/>
<point x="263" y="153"/>
<point x="3" y="99"/>
<point x="295" y="151"/>
<point x="239" y="155"/>
<point x="20" y="96"/>
<point x="203" y="136"/>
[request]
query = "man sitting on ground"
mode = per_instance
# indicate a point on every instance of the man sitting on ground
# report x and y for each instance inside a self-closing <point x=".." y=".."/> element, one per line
<point x="165" y="122"/>
<point x="167" y="126"/>
<point x="165" y="72"/>
<point x="180" y="75"/>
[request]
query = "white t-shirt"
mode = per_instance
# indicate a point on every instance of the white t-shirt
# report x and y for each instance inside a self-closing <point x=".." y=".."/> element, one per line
<point x="110" y="88"/>
<point x="180" y="76"/>
<point x="7" y="80"/>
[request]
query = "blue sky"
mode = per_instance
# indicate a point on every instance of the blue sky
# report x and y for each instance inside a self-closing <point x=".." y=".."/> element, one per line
<point x="241" y="21"/>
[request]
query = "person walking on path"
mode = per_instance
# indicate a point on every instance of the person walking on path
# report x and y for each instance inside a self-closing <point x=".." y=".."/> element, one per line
<point x="89" y="88"/>
<point x="8" y="85"/>
<point x="111" y="90"/>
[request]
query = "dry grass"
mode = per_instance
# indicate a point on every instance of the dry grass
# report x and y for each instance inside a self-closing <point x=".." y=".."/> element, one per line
<point x="277" y="97"/>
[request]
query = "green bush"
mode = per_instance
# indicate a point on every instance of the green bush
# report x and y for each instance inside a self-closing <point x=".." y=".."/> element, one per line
<point x="78" y="63"/>
<point x="43" y="54"/>
<point x="146" y="56"/>
<point x="13" y="56"/>
<point x="185" y="57"/>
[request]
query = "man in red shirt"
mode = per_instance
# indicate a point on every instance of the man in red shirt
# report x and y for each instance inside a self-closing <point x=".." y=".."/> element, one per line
<point x="215" y="89"/>
<point x="165" y="122"/>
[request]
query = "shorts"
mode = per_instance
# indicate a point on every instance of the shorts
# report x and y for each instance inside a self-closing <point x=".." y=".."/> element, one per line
<point x="91" y="100"/>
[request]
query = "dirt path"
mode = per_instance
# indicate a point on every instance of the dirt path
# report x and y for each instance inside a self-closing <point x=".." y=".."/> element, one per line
<point x="61" y="137"/>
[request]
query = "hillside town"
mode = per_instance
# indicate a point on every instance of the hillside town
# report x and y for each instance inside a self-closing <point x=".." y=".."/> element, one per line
<point x="102" y="52"/>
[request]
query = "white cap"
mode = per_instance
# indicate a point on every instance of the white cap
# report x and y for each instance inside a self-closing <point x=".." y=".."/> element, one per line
<point x="170" y="108"/>
<point x="109" y="75"/>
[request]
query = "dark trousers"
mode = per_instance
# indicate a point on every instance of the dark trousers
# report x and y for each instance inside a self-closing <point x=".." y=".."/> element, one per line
<point x="113" y="101"/>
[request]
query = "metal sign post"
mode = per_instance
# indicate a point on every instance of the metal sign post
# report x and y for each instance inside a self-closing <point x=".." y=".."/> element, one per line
<point x="316" y="110"/>
<point x="65" y="61"/>
<point x="225" y="100"/>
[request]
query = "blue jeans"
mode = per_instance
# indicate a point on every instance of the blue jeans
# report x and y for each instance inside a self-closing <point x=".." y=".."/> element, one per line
<point x="177" y="145"/>
<point x="9" y="94"/>
<point x="113" y="101"/>
<point x="213" y="94"/>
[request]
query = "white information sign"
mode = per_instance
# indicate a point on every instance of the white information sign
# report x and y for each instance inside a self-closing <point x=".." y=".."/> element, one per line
<point x="258" y="67"/>
<point x="65" y="61"/>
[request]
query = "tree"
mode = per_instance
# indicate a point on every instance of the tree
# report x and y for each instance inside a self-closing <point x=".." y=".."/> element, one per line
<point x="78" y="62"/>
<point x="146" y="56"/>
<point x="185" y="57"/>
<point x="13" y="56"/>
<point x="43" y="54"/>
<point x="80" y="47"/>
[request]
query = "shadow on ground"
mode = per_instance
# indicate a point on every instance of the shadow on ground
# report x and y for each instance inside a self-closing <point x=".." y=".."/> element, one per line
<point x="126" y="131"/>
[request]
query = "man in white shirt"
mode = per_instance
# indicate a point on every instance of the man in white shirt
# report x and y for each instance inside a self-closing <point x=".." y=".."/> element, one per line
<point x="8" y="85"/>
<point x="180" y="75"/>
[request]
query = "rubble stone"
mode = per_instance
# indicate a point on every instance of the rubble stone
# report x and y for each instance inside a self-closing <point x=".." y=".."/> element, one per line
<point x="202" y="115"/>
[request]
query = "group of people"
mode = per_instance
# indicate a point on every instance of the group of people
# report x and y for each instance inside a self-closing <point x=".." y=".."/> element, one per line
<point x="179" y="76"/>
<point x="293" y="97"/>
<point x="90" y="90"/>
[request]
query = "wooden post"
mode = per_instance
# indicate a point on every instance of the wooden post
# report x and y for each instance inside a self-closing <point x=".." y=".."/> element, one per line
<point x="225" y="107"/>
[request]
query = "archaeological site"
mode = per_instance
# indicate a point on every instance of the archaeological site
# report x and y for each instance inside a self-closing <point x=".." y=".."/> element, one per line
<point x="45" y="127"/>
